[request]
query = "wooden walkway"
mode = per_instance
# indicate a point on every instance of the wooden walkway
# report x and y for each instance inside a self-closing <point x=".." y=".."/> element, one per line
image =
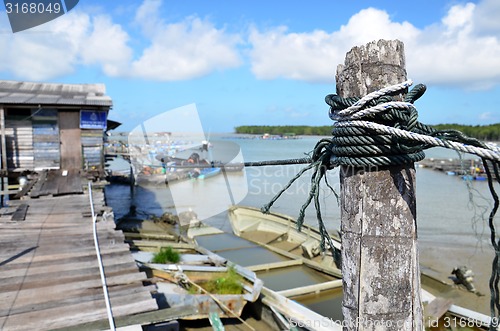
<point x="57" y="182"/>
<point x="49" y="277"/>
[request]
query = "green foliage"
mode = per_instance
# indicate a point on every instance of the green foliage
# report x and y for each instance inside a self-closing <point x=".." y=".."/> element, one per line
<point x="285" y="130"/>
<point x="483" y="132"/>
<point x="230" y="282"/>
<point x="166" y="254"/>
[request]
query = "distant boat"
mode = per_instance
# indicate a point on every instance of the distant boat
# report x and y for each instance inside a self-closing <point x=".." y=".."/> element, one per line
<point x="165" y="170"/>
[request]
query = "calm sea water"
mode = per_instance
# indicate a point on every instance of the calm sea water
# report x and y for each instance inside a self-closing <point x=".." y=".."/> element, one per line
<point x="447" y="206"/>
<point x="451" y="213"/>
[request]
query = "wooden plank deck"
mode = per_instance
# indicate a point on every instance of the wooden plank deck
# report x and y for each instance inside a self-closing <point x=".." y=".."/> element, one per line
<point x="57" y="182"/>
<point x="49" y="276"/>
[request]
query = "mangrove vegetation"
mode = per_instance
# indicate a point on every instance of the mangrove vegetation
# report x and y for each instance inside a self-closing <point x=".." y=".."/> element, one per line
<point x="483" y="132"/>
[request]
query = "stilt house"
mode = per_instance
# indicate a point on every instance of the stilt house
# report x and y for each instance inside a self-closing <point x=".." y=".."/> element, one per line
<point x="52" y="126"/>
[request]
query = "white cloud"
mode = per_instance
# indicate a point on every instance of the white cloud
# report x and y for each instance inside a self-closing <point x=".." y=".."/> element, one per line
<point x="178" y="51"/>
<point x="460" y="50"/>
<point x="314" y="56"/>
<point x="56" y="48"/>
<point x="106" y="45"/>
<point x="486" y="16"/>
<point x="456" y="52"/>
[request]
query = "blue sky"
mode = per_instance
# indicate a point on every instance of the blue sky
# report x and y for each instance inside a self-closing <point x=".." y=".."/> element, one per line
<point x="259" y="62"/>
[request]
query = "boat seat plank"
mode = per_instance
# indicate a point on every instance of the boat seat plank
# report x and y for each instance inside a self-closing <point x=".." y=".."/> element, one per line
<point x="275" y="265"/>
<point x="287" y="245"/>
<point x="261" y="236"/>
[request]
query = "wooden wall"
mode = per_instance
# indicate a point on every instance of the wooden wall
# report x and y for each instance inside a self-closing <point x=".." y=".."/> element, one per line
<point x="34" y="141"/>
<point x="92" y="145"/>
<point x="19" y="139"/>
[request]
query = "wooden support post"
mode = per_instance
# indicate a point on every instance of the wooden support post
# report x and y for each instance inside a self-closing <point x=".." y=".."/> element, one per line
<point x="4" y="170"/>
<point x="4" y="143"/>
<point x="380" y="269"/>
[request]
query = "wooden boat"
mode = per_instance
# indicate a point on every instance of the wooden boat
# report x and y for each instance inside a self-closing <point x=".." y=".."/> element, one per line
<point x="277" y="232"/>
<point x="268" y="310"/>
<point x="181" y="284"/>
<point x="279" y="308"/>
<point x="280" y="231"/>
<point x="169" y="170"/>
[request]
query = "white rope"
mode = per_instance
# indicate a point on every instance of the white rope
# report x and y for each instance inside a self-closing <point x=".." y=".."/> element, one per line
<point x="370" y="111"/>
<point x="367" y="98"/>
<point x="112" y="326"/>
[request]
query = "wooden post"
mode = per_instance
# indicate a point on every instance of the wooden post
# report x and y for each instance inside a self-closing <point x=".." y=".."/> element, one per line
<point x="380" y="269"/>
<point x="4" y="144"/>
<point x="4" y="170"/>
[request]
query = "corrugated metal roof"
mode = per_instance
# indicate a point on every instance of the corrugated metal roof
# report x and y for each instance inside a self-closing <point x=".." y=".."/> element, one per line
<point x="27" y="93"/>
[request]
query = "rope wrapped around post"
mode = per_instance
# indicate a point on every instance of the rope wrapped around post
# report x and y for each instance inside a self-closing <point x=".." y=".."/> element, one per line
<point x="381" y="130"/>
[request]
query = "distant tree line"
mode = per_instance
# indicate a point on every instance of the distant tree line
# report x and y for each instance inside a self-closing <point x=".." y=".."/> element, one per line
<point x="483" y="132"/>
<point x="285" y="130"/>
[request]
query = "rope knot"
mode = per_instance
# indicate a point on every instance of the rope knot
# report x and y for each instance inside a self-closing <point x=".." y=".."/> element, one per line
<point x="357" y="143"/>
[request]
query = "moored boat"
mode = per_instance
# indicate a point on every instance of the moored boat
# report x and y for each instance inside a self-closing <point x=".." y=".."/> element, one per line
<point x="278" y="233"/>
<point x="182" y="283"/>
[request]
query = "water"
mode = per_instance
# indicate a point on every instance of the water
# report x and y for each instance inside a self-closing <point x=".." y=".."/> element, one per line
<point x="451" y="213"/>
<point x="444" y="207"/>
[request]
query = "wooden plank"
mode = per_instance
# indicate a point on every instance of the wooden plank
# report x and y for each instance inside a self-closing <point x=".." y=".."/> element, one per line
<point x="314" y="288"/>
<point x="115" y="255"/>
<point x="158" y="316"/>
<point x="35" y="193"/>
<point x="435" y="310"/>
<point x="95" y="294"/>
<point x="70" y="184"/>
<point x="275" y="265"/>
<point x="55" y="279"/>
<point x="55" y="293"/>
<point x="69" y="315"/>
<point x="20" y="213"/>
<point x="50" y="185"/>
<point x="54" y="298"/>
<point x="25" y="189"/>
<point x="64" y="267"/>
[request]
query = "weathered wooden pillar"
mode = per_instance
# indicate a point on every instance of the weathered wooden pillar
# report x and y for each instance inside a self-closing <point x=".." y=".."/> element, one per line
<point x="380" y="269"/>
<point x="4" y="144"/>
<point x="4" y="170"/>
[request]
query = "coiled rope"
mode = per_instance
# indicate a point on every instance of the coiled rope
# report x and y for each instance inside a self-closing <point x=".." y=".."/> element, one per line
<point x="381" y="130"/>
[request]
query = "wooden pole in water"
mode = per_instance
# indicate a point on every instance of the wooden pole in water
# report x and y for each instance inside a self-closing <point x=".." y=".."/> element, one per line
<point x="380" y="268"/>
